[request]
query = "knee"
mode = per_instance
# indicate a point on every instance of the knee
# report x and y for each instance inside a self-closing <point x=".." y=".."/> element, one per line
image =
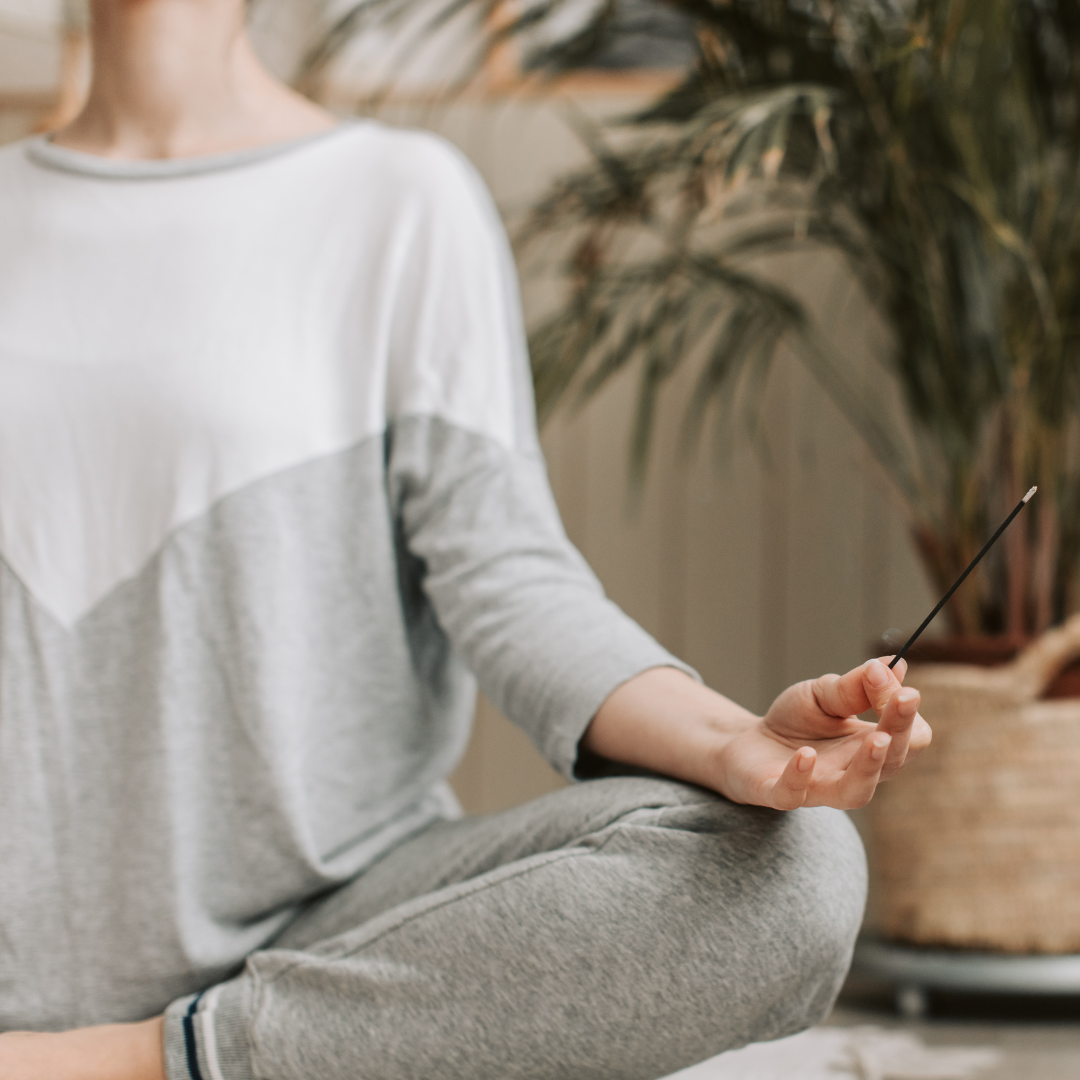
<point x="820" y="903"/>
<point x="722" y="924"/>
<point x="783" y="906"/>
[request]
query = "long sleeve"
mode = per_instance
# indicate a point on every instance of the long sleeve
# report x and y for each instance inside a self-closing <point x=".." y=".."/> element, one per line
<point x="469" y="484"/>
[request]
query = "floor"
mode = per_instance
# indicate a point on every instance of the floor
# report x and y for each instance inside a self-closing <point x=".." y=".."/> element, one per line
<point x="961" y="1038"/>
<point x="1037" y="1038"/>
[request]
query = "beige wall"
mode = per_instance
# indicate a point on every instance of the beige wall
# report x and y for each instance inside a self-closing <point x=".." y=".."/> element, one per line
<point x="757" y="574"/>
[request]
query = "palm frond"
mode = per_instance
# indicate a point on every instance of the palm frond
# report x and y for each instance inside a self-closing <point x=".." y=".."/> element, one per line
<point x="934" y="146"/>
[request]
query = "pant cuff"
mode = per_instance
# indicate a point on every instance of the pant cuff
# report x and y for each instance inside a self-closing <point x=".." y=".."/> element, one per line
<point x="207" y="1034"/>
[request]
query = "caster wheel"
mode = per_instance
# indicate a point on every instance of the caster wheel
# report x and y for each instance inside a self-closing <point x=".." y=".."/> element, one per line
<point x="912" y="1002"/>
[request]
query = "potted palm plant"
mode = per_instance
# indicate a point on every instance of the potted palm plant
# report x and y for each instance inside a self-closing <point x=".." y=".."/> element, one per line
<point x="935" y="146"/>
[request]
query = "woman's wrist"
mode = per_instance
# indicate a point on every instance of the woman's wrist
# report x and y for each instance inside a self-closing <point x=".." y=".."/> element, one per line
<point x="110" y="1052"/>
<point x="665" y="721"/>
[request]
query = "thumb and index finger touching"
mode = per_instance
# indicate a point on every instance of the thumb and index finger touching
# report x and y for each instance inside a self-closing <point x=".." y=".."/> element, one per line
<point x="869" y="686"/>
<point x="875" y="686"/>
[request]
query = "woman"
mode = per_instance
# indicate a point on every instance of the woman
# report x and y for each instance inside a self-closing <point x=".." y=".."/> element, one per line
<point x="269" y="491"/>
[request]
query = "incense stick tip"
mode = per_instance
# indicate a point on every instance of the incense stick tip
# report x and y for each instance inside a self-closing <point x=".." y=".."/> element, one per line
<point x="1031" y="492"/>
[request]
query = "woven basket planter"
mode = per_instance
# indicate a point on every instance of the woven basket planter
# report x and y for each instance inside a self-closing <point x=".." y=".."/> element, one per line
<point x="977" y="843"/>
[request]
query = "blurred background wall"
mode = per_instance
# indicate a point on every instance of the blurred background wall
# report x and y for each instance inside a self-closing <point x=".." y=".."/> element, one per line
<point x="761" y="565"/>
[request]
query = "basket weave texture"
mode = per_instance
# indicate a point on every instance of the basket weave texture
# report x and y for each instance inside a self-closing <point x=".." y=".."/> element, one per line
<point x="977" y="843"/>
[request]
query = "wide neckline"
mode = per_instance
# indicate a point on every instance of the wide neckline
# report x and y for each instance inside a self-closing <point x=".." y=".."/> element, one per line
<point x="43" y="151"/>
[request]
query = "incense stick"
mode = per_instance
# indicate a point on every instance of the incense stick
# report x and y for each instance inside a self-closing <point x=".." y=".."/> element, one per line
<point x="960" y="580"/>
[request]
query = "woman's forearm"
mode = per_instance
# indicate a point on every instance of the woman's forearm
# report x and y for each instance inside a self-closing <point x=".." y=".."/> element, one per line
<point x="665" y="721"/>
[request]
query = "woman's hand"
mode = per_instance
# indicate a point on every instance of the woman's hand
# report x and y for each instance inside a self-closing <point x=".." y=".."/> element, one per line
<point x="810" y="748"/>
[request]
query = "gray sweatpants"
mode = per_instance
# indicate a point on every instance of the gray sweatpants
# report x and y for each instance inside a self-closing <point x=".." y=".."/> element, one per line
<point x="620" y="929"/>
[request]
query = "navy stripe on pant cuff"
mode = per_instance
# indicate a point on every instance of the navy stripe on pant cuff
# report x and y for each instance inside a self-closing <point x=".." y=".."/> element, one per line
<point x="189" y="1040"/>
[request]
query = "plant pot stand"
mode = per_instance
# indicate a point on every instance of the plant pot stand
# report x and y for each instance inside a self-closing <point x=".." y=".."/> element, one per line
<point x="913" y="972"/>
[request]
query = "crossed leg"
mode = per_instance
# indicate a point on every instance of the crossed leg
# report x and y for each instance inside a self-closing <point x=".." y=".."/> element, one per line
<point x="620" y="929"/>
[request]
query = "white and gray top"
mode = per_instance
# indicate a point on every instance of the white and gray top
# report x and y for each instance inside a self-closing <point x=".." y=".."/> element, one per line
<point x="270" y="490"/>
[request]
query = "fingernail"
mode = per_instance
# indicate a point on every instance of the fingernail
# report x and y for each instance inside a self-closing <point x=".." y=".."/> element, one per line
<point x="876" y="673"/>
<point x="908" y="701"/>
<point x="806" y="759"/>
<point x="880" y="745"/>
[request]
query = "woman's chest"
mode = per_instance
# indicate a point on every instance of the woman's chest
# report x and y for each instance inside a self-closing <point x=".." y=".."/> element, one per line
<point x="141" y="385"/>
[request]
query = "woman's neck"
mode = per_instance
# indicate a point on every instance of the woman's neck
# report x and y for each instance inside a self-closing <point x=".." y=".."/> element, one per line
<point x="178" y="78"/>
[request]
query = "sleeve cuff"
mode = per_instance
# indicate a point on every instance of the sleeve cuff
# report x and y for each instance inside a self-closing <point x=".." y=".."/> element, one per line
<point x="206" y="1035"/>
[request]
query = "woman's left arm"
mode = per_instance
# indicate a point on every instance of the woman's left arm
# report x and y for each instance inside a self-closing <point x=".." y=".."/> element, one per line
<point x="809" y="749"/>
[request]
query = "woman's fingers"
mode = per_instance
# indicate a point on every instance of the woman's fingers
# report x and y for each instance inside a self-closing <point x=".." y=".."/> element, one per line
<point x="866" y="687"/>
<point x="911" y="733"/>
<point x="881" y="683"/>
<point x="860" y="780"/>
<point x="897" y="720"/>
<point x="900" y="671"/>
<point x="841" y="695"/>
<point x="920" y="737"/>
<point x="790" y="788"/>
